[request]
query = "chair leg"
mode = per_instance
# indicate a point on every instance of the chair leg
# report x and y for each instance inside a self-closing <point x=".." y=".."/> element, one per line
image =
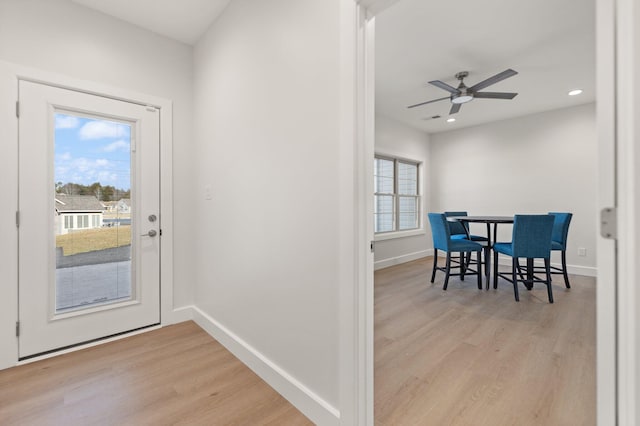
<point x="514" y="276"/>
<point x="463" y="270"/>
<point x="478" y="270"/>
<point x="547" y="268"/>
<point x="495" y="270"/>
<point x="447" y="271"/>
<point x="519" y="269"/>
<point x="564" y="269"/>
<point x="435" y="264"/>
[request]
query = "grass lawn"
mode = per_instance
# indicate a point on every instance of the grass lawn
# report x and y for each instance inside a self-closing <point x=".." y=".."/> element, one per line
<point x="94" y="239"/>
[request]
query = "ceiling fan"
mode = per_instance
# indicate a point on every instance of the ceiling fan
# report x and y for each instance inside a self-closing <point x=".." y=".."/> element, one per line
<point x="463" y="94"/>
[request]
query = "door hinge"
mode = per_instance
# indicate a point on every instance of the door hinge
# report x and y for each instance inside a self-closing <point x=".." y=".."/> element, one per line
<point x="17" y="219"/>
<point x="609" y="223"/>
<point x="373" y="246"/>
<point x="18" y="109"/>
<point x="17" y="328"/>
<point x="161" y="232"/>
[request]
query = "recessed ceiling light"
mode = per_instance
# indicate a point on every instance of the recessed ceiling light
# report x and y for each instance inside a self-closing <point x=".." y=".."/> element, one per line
<point x="450" y="120"/>
<point x="575" y="92"/>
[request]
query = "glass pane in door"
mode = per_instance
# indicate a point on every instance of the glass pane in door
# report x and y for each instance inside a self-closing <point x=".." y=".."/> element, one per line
<point x="93" y="211"/>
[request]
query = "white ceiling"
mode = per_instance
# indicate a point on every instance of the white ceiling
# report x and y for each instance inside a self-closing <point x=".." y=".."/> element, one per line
<point x="182" y="20"/>
<point x="550" y="43"/>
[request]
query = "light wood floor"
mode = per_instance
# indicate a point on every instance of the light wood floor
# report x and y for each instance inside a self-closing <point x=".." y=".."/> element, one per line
<point x="175" y="375"/>
<point x="460" y="357"/>
<point x="473" y="357"/>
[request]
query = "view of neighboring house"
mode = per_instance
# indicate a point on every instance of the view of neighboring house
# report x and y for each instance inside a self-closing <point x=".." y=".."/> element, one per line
<point x="124" y="205"/>
<point x="74" y="212"/>
<point x="121" y="206"/>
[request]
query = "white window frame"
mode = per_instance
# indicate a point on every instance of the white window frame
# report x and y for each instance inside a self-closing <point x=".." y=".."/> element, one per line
<point x="396" y="199"/>
<point x="83" y="221"/>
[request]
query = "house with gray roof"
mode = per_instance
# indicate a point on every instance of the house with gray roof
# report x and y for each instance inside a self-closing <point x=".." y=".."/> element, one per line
<point x="77" y="212"/>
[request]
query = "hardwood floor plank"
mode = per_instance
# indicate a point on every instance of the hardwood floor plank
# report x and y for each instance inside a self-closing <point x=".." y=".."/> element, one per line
<point x="472" y="357"/>
<point x="174" y="375"/>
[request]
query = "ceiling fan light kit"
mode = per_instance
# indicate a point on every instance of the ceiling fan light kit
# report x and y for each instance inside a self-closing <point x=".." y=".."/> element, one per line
<point x="463" y="94"/>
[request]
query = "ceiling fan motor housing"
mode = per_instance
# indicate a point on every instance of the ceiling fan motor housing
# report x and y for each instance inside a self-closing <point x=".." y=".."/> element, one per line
<point x="464" y="95"/>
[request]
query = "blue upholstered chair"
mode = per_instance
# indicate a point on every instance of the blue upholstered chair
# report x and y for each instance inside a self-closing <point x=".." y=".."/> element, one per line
<point x="460" y="230"/>
<point x="442" y="241"/>
<point x="531" y="239"/>
<point x="559" y="236"/>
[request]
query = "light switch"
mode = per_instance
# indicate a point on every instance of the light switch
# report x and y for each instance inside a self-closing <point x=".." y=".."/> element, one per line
<point x="208" y="193"/>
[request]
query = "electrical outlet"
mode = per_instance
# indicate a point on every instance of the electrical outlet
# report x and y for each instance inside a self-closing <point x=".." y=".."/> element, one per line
<point x="582" y="251"/>
<point x="208" y="193"/>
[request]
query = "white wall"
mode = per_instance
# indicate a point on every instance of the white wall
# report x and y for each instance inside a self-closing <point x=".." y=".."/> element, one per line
<point x="61" y="37"/>
<point x="534" y="164"/>
<point x="399" y="140"/>
<point x="267" y="145"/>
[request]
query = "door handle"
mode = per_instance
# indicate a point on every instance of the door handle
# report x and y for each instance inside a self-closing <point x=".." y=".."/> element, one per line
<point x="151" y="233"/>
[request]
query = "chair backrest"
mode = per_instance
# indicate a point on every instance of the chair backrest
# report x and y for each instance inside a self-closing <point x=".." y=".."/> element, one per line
<point x="532" y="236"/>
<point x="560" y="232"/>
<point x="440" y="231"/>
<point x="456" y="228"/>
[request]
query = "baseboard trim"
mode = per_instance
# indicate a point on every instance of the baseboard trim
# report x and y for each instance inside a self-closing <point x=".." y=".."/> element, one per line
<point x="385" y="263"/>
<point x="182" y="314"/>
<point x="304" y="399"/>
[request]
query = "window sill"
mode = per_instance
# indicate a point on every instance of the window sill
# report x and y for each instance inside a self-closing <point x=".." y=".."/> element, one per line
<point x="398" y="234"/>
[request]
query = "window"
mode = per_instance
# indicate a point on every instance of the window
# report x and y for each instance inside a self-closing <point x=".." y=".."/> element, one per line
<point x="95" y="221"/>
<point x="83" y="221"/>
<point x="68" y="222"/>
<point x="397" y="196"/>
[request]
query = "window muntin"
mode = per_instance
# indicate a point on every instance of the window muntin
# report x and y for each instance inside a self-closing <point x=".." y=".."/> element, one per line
<point x="396" y="195"/>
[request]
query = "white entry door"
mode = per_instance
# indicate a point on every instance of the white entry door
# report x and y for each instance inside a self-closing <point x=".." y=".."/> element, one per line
<point x="89" y="225"/>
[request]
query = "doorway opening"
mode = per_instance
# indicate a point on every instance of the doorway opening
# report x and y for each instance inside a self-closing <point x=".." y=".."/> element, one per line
<point x="461" y="158"/>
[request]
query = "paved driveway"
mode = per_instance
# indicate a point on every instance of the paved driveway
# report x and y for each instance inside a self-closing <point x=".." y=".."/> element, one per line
<point x="83" y="285"/>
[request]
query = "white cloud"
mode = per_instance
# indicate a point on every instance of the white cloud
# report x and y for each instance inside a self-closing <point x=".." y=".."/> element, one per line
<point x="103" y="129"/>
<point x="66" y="121"/>
<point x="85" y="171"/>
<point x="120" y="145"/>
<point x="63" y="157"/>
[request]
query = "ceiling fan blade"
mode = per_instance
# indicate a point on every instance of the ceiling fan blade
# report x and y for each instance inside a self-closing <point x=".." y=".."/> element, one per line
<point x="495" y="95"/>
<point x="454" y="108"/>
<point x="493" y="80"/>
<point x="445" y="86"/>
<point x="428" y="102"/>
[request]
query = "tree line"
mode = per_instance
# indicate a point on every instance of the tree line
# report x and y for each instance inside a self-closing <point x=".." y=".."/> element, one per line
<point x="102" y="193"/>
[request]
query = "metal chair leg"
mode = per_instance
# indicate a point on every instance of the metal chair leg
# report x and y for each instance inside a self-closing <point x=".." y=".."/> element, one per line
<point x="447" y="271"/>
<point x="564" y="269"/>
<point x="435" y="264"/>
<point x="495" y="270"/>
<point x="514" y="276"/>
<point x="547" y="268"/>
<point x="478" y="270"/>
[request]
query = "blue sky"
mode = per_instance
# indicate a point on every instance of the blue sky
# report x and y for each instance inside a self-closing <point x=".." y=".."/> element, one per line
<point x="89" y="150"/>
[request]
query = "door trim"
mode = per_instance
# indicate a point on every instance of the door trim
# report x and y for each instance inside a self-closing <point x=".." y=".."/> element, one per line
<point x="9" y="76"/>
<point x="611" y="407"/>
<point x="606" y="260"/>
<point x="623" y="30"/>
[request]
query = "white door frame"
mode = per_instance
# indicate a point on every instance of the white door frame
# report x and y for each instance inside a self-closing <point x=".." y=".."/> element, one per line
<point x="618" y="375"/>
<point x="623" y="17"/>
<point x="606" y="258"/>
<point x="9" y="75"/>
